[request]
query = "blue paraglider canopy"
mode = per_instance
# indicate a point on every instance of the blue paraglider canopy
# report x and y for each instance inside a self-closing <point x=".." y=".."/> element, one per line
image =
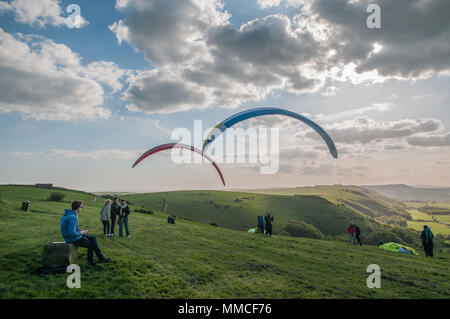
<point x="248" y="114"/>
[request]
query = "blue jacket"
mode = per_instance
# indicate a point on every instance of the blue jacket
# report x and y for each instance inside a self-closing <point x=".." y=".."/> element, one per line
<point x="69" y="226"/>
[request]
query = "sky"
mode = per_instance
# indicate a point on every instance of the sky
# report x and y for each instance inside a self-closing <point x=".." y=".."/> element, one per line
<point x="79" y="105"/>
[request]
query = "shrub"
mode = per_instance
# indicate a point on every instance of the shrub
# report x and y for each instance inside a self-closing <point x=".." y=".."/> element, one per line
<point x="381" y="236"/>
<point x="56" y="196"/>
<point x="142" y="210"/>
<point x="302" y="229"/>
<point x="213" y="224"/>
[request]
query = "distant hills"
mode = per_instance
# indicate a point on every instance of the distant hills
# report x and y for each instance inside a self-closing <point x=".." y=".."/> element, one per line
<point x="412" y="193"/>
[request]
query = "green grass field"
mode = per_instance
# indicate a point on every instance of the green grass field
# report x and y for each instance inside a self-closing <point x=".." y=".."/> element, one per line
<point x="359" y="199"/>
<point x="435" y="227"/>
<point x="238" y="211"/>
<point x="418" y="215"/>
<point x="440" y="224"/>
<point x="195" y="260"/>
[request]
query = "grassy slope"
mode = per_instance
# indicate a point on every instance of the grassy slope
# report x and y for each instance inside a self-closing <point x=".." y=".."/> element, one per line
<point x="192" y="260"/>
<point x="239" y="210"/>
<point x="439" y="226"/>
<point x="360" y="199"/>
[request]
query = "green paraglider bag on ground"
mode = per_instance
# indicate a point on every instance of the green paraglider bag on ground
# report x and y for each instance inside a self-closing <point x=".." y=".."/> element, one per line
<point x="398" y="248"/>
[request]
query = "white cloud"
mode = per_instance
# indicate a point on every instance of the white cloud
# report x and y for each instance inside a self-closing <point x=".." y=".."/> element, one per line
<point x="364" y="130"/>
<point x="113" y="154"/>
<point x="106" y="72"/>
<point x="45" y="80"/>
<point x="38" y="12"/>
<point x="197" y="50"/>
<point x="379" y="107"/>
<point x="430" y="140"/>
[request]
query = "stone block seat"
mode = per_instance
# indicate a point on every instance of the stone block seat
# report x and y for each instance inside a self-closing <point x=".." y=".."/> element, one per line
<point x="59" y="254"/>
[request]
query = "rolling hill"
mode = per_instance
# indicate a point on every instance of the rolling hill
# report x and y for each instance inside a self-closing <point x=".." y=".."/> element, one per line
<point x="410" y="193"/>
<point x="239" y="211"/>
<point x="195" y="260"/>
<point x="361" y="200"/>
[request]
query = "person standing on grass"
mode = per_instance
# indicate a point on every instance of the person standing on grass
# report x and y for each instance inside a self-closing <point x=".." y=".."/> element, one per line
<point x="351" y="234"/>
<point x="124" y="211"/>
<point x="427" y="241"/>
<point x="114" y="214"/>
<point x="357" y="234"/>
<point x="105" y="215"/>
<point x="72" y="234"/>
<point x="259" y="225"/>
<point x="268" y="219"/>
<point x="263" y="226"/>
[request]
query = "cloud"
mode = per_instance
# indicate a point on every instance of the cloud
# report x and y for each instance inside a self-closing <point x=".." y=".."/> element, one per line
<point x="106" y="72"/>
<point x="393" y="147"/>
<point x="38" y="12"/>
<point x="200" y="55"/>
<point x="113" y="154"/>
<point x="364" y="130"/>
<point x="430" y="140"/>
<point x="168" y="32"/>
<point x="416" y="27"/>
<point x="323" y="169"/>
<point x="197" y="50"/>
<point x="45" y="80"/>
<point x="297" y="152"/>
<point x="379" y="107"/>
<point x="275" y="3"/>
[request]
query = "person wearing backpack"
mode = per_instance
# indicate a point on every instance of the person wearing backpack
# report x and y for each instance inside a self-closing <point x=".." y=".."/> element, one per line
<point x="124" y="211"/>
<point x="427" y="241"/>
<point x="260" y="225"/>
<point x="357" y="233"/>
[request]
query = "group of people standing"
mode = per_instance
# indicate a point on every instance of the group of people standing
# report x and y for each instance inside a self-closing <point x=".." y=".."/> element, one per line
<point x="353" y="234"/>
<point x="265" y="224"/>
<point x="115" y="212"/>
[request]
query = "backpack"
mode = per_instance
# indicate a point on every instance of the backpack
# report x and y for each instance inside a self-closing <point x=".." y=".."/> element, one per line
<point x="428" y="236"/>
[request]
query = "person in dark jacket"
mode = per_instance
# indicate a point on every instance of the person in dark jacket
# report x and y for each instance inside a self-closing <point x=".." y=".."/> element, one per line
<point x="171" y="219"/>
<point x="259" y="225"/>
<point x="72" y="234"/>
<point x="124" y="211"/>
<point x="114" y="214"/>
<point x="427" y="241"/>
<point x="357" y="233"/>
<point x="268" y="219"/>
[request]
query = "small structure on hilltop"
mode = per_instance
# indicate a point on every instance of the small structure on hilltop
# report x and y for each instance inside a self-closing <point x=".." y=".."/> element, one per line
<point x="46" y="186"/>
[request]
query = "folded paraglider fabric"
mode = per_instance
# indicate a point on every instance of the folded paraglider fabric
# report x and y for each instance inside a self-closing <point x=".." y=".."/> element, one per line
<point x="398" y="248"/>
<point x="252" y="230"/>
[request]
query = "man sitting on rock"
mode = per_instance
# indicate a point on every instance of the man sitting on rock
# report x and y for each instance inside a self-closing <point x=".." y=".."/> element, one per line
<point x="72" y="234"/>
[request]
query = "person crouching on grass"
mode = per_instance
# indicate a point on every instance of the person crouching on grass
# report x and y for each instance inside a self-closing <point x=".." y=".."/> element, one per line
<point x="72" y="234"/>
<point x="124" y="211"/>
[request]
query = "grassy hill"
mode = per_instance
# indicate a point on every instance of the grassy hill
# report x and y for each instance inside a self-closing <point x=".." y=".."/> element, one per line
<point x="359" y="199"/>
<point x="194" y="260"/>
<point x="238" y="211"/>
